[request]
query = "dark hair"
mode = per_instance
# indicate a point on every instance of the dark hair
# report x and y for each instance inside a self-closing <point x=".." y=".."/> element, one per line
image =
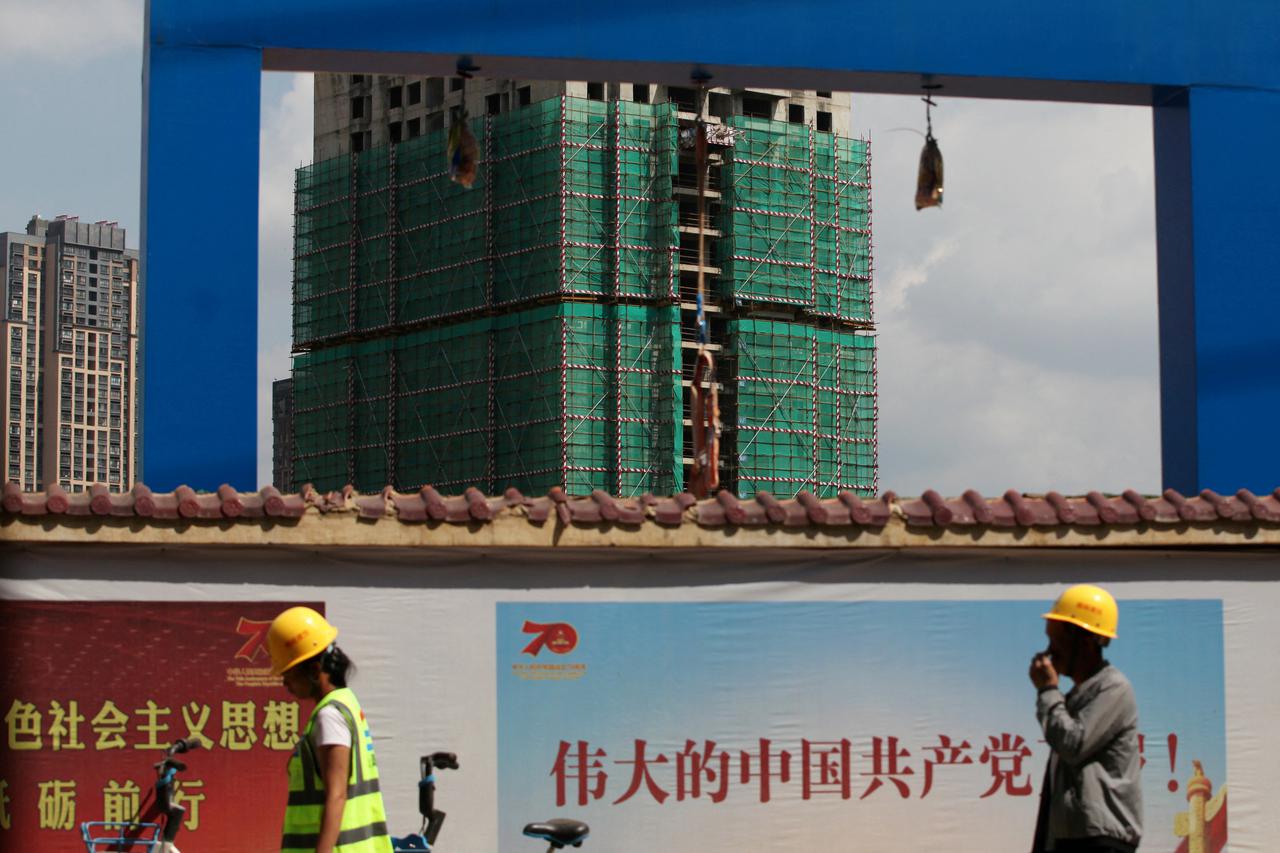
<point x="1087" y="636"/>
<point x="334" y="662"/>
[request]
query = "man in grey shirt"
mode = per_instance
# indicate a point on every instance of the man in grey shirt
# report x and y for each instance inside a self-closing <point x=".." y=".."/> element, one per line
<point x="1092" y="797"/>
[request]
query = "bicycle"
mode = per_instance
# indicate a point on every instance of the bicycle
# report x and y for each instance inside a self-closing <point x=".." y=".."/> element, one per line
<point x="557" y="832"/>
<point x="147" y="836"/>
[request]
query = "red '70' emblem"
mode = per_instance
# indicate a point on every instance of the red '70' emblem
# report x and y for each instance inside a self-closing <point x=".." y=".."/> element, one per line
<point x="558" y="637"/>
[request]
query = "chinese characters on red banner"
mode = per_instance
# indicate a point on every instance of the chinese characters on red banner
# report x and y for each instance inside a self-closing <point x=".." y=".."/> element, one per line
<point x="100" y="688"/>
<point x="884" y="766"/>
<point x="64" y="726"/>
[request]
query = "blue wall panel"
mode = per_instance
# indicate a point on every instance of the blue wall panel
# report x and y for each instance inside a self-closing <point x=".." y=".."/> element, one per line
<point x="1235" y="188"/>
<point x="1232" y="42"/>
<point x="200" y="266"/>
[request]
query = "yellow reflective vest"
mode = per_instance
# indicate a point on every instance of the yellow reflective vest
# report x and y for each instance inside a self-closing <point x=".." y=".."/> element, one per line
<point x="364" y="820"/>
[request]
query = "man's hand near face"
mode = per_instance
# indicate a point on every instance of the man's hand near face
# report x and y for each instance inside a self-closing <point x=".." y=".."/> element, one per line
<point x="1042" y="673"/>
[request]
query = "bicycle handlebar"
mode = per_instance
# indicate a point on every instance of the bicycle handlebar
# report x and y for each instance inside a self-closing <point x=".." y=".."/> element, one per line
<point x="184" y="745"/>
<point x="167" y="771"/>
<point x="432" y="817"/>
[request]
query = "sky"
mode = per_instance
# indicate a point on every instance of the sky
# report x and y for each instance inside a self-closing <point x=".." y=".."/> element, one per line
<point x="1017" y="324"/>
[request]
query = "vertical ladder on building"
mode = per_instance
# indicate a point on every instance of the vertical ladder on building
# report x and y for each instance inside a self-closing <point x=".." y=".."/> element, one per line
<point x="702" y="331"/>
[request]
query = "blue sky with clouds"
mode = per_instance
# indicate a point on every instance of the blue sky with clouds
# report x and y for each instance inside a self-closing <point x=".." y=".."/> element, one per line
<point x="1017" y="326"/>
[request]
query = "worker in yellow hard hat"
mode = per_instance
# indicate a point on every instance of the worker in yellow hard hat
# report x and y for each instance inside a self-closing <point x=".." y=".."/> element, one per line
<point x="335" y="803"/>
<point x="1091" y="801"/>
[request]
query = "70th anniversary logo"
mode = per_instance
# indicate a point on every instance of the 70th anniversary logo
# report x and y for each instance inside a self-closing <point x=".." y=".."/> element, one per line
<point x="558" y="638"/>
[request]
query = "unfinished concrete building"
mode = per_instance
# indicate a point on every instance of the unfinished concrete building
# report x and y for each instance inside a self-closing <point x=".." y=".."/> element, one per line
<point x="357" y="112"/>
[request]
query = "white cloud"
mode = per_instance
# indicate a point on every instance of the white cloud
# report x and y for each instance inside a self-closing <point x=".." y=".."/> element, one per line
<point x="273" y="363"/>
<point x="908" y="273"/>
<point x="68" y="32"/>
<point x="285" y="144"/>
<point x="1017" y="325"/>
<point x="958" y="414"/>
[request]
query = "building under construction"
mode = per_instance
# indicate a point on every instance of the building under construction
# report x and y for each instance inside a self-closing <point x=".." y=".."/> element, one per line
<point x="539" y="328"/>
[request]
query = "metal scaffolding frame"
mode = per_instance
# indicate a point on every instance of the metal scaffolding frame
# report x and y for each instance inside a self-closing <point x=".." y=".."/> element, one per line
<point x="527" y="331"/>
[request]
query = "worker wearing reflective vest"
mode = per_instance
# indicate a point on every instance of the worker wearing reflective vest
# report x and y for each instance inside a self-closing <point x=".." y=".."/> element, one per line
<point x="335" y="805"/>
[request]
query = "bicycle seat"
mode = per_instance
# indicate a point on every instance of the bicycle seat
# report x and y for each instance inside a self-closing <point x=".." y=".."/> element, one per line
<point x="561" y="832"/>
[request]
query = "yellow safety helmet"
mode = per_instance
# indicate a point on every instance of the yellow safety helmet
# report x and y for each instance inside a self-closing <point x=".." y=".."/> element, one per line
<point x="1089" y="607"/>
<point x="295" y="635"/>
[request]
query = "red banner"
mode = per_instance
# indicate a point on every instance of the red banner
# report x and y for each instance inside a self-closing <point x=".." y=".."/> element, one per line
<point x="92" y="693"/>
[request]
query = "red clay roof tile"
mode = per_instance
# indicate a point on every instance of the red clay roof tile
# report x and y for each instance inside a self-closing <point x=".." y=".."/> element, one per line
<point x="931" y="509"/>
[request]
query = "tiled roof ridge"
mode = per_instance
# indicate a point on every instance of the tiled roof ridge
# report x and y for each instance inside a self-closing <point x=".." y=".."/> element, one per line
<point x="1013" y="509"/>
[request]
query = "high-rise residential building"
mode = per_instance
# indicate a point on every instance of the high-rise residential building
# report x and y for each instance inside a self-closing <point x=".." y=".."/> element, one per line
<point x="539" y="328"/>
<point x="71" y="360"/>
<point x="282" y="434"/>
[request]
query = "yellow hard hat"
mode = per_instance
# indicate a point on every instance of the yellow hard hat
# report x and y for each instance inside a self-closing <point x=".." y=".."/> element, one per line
<point x="295" y="635"/>
<point x="1089" y="607"/>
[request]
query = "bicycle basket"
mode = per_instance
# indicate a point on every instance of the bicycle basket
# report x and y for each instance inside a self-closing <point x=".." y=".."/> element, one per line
<point x="104" y="836"/>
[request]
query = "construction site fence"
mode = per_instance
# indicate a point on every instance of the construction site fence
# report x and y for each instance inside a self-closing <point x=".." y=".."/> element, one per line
<point x="580" y="395"/>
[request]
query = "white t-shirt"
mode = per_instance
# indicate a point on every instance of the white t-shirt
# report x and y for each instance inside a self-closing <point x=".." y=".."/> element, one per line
<point x="331" y="728"/>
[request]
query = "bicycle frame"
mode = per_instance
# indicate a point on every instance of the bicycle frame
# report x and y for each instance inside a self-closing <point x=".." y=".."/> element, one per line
<point x="137" y="834"/>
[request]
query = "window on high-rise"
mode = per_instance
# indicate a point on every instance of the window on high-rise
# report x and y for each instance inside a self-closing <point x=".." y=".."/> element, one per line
<point x="524" y="95"/>
<point x="686" y="100"/>
<point x="434" y="93"/>
<point x="640" y="93"/>
<point x="595" y="91"/>
<point x="757" y="107"/>
<point x="795" y="113"/>
<point x="414" y="93"/>
<point x="395" y="97"/>
<point x="824" y="120"/>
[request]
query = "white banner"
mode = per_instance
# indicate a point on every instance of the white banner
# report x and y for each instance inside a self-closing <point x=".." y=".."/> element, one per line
<point x="800" y="700"/>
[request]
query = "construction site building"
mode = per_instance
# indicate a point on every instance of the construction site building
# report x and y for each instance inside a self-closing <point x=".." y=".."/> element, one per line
<point x="358" y="112"/>
<point x="539" y="328"/>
